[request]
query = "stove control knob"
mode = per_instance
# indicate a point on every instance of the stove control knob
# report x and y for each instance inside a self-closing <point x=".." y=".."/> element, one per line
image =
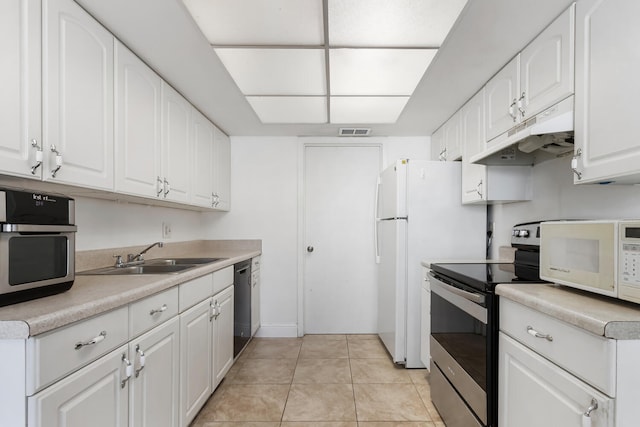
<point x="524" y="233"/>
<point x="516" y="233"/>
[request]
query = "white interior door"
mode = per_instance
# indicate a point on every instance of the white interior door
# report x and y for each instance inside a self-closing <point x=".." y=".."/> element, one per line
<point x="340" y="286"/>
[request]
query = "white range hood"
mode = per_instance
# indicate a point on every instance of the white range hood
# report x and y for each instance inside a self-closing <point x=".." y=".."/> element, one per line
<point x="544" y="136"/>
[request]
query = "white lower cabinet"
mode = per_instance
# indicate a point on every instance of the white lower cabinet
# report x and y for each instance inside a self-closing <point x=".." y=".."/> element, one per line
<point x="94" y="395"/>
<point x="154" y="386"/>
<point x="534" y="392"/>
<point x="222" y="335"/>
<point x="195" y="360"/>
<point x="255" y="295"/>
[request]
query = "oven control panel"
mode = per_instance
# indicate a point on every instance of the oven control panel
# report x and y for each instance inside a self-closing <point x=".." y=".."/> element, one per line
<point x="527" y="234"/>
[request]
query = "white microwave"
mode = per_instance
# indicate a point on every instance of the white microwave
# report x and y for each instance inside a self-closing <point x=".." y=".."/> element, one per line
<point x="598" y="256"/>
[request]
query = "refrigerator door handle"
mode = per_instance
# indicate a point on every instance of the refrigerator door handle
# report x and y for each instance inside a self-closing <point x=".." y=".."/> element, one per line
<point x="375" y="223"/>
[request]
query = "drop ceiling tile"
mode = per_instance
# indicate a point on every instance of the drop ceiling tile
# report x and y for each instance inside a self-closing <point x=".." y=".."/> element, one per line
<point x="276" y="71"/>
<point x="259" y="23"/>
<point x="391" y="23"/>
<point x="366" y="109"/>
<point x="377" y="71"/>
<point x="290" y="109"/>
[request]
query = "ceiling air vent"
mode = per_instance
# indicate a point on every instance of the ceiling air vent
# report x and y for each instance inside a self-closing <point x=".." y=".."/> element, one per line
<point x="354" y="131"/>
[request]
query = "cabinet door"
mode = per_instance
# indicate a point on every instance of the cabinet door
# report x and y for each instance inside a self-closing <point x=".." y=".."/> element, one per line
<point x="607" y="90"/>
<point x="546" y="66"/>
<point x="195" y="360"/>
<point x="501" y="93"/>
<point x="222" y="171"/>
<point x="176" y="147"/>
<point x="137" y="147"/>
<point x="255" y="301"/>
<point x="452" y="147"/>
<point x="202" y="140"/>
<point x="77" y="97"/>
<point x="534" y="392"/>
<point x="155" y="392"/>
<point x="20" y="95"/>
<point x="474" y="177"/>
<point x="437" y="144"/>
<point x="222" y="335"/>
<point x="91" y="396"/>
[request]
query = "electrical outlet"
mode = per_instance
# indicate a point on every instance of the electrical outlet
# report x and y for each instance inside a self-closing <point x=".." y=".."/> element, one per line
<point x="166" y="230"/>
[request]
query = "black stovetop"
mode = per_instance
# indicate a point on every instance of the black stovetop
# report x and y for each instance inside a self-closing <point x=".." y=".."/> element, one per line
<point x="485" y="276"/>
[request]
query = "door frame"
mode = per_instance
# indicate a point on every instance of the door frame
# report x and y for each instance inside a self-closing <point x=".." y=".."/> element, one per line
<point x="319" y="142"/>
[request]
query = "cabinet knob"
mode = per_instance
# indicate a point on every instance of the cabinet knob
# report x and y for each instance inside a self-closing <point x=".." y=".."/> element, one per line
<point x="309" y="249"/>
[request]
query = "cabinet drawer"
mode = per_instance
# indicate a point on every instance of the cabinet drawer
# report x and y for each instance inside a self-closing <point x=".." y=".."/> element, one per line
<point x="194" y="291"/>
<point x="255" y="263"/>
<point x="589" y="357"/>
<point x="151" y="311"/>
<point x="52" y="355"/>
<point x="222" y="279"/>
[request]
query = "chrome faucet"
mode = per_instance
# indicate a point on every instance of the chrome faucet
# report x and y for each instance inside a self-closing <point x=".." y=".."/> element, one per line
<point x="137" y="258"/>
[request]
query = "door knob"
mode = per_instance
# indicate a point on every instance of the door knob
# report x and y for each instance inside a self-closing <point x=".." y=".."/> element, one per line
<point x="309" y="248"/>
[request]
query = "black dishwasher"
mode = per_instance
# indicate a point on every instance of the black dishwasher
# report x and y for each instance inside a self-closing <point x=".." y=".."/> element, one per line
<point x="241" y="306"/>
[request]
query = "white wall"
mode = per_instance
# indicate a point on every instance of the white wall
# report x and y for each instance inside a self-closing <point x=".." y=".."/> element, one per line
<point x="264" y="205"/>
<point x="556" y="197"/>
<point x="107" y="224"/>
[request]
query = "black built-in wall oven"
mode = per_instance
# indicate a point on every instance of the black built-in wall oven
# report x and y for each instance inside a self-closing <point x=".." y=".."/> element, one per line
<point x="464" y="331"/>
<point x="37" y="245"/>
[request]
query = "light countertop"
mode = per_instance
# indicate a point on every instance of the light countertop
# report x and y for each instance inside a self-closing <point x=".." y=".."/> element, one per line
<point x="594" y="313"/>
<point x="92" y="295"/>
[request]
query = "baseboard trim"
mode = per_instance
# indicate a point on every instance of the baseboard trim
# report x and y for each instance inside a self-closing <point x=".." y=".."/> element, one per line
<point x="275" y="330"/>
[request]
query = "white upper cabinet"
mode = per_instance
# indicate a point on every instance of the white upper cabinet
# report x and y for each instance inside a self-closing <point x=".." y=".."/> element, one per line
<point x="176" y="146"/>
<point x="437" y="144"/>
<point x="20" y="114"/>
<point x="546" y="66"/>
<point x="537" y="78"/>
<point x="446" y="141"/>
<point x="474" y="177"/>
<point x="501" y="99"/>
<point x="77" y="55"/>
<point x="222" y="172"/>
<point x="138" y="113"/>
<point x="607" y="89"/>
<point x="202" y="142"/>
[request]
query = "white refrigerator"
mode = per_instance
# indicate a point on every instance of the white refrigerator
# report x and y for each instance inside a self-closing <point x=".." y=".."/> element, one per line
<point x="419" y="216"/>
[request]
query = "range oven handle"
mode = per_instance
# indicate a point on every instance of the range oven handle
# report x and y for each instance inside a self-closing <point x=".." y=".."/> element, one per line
<point x="37" y="228"/>
<point x="466" y="301"/>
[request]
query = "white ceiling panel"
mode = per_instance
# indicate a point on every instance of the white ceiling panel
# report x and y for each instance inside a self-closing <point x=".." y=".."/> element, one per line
<point x="259" y="22"/>
<point x="366" y="109"/>
<point x="276" y="71"/>
<point x="377" y="71"/>
<point x="290" y="109"/>
<point x="391" y="23"/>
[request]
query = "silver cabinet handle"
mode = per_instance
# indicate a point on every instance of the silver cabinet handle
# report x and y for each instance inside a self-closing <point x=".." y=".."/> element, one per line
<point x="159" y="186"/>
<point x="478" y="187"/>
<point x="158" y="310"/>
<point x="574" y="163"/>
<point x="128" y="370"/>
<point x="141" y="360"/>
<point x="95" y="340"/>
<point x="537" y="334"/>
<point x="512" y="110"/>
<point x="34" y="144"/>
<point x="521" y="105"/>
<point x="58" y="161"/>
<point x="586" y="416"/>
<point x="167" y="187"/>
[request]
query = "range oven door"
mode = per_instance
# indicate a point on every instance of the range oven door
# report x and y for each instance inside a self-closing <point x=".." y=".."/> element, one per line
<point x="460" y="350"/>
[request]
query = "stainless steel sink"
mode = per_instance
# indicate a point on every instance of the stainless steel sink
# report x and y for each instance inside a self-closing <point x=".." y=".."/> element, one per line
<point x="181" y="261"/>
<point x="153" y="266"/>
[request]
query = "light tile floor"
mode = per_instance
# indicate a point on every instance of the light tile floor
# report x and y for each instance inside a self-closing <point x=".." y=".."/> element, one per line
<point x="320" y="381"/>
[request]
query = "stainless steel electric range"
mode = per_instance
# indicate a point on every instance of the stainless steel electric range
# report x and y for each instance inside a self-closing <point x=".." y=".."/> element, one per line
<point x="464" y="330"/>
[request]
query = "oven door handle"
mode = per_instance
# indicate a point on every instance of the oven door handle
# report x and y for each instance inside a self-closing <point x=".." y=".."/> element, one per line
<point x="468" y="302"/>
<point x="31" y="228"/>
